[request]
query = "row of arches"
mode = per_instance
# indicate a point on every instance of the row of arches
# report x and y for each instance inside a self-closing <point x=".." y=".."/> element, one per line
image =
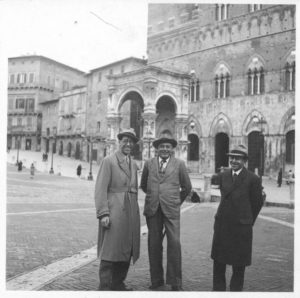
<point x="256" y="150"/>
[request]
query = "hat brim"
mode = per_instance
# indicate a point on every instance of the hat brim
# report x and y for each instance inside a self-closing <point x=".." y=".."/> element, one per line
<point x="127" y="134"/>
<point x="240" y="154"/>
<point x="156" y="143"/>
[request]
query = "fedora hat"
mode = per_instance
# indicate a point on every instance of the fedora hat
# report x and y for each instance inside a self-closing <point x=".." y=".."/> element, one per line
<point x="128" y="132"/>
<point x="159" y="141"/>
<point x="239" y="150"/>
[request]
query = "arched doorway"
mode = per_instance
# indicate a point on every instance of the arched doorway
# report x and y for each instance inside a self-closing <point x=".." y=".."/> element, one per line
<point x="61" y="148"/>
<point x="166" y="112"/>
<point x="131" y="110"/>
<point x="193" y="152"/>
<point x="221" y="150"/>
<point x="77" y="150"/>
<point x="69" y="149"/>
<point x="256" y="152"/>
<point x="290" y="147"/>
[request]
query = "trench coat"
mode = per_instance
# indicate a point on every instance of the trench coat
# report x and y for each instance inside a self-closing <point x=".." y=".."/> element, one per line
<point x="116" y="195"/>
<point x="168" y="190"/>
<point x="239" y="207"/>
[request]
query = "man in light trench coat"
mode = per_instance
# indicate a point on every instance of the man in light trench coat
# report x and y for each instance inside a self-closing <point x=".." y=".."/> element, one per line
<point x="166" y="183"/>
<point x="118" y="213"/>
<point x="241" y="201"/>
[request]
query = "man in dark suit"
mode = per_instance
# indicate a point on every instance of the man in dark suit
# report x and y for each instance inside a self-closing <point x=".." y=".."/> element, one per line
<point x="241" y="201"/>
<point x="166" y="183"/>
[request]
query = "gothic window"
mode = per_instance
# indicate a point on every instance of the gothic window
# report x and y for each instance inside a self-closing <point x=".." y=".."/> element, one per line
<point x="221" y="12"/>
<point x="194" y="90"/>
<point x="222" y="87"/>
<point x="30" y="104"/>
<point x="290" y="76"/>
<point x="254" y="7"/>
<point x="256" y="78"/>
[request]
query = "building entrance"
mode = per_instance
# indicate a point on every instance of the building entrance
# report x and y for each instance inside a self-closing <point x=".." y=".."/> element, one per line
<point x="221" y="150"/>
<point x="256" y="152"/>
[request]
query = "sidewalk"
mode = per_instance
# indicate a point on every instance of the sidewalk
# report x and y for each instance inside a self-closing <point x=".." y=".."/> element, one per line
<point x="66" y="166"/>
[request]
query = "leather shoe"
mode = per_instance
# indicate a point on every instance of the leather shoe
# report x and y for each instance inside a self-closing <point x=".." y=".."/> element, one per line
<point x="156" y="285"/>
<point x="177" y="288"/>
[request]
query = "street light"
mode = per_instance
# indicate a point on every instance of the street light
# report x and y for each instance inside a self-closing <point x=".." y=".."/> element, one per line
<point x="54" y="138"/>
<point x="90" y="176"/>
<point x="18" y="140"/>
<point x="261" y="121"/>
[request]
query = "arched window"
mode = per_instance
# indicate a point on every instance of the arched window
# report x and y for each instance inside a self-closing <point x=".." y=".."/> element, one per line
<point x="256" y="78"/>
<point x="221" y="12"/>
<point x="194" y="90"/>
<point x="222" y="81"/>
<point x="290" y="76"/>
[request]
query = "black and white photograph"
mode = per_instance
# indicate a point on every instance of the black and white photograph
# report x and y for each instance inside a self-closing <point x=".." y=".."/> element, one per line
<point x="149" y="147"/>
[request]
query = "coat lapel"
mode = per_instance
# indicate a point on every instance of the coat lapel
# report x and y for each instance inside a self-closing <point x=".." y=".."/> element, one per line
<point x="122" y="163"/>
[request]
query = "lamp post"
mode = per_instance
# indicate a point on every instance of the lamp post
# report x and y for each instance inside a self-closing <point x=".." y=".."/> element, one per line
<point x="18" y="149"/>
<point x="90" y="176"/>
<point x="54" y="137"/>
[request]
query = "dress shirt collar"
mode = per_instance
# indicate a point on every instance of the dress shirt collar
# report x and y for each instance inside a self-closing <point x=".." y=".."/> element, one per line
<point x="160" y="159"/>
<point x="236" y="172"/>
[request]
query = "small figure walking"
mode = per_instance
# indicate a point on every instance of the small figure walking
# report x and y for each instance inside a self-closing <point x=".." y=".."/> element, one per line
<point x="32" y="169"/>
<point x="290" y="177"/>
<point x="279" y="178"/>
<point x="20" y="166"/>
<point x="79" y="168"/>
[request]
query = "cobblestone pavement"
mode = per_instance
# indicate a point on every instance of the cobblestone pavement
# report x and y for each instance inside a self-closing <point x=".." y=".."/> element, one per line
<point x="271" y="271"/>
<point x="52" y="217"/>
<point x="48" y="218"/>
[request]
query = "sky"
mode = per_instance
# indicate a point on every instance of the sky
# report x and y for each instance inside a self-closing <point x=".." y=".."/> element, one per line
<point x="82" y="34"/>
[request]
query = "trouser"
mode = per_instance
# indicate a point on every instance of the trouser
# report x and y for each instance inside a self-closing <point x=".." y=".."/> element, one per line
<point x="155" y="225"/>
<point x="112" y="274"/>
<point x="219" y="280"/>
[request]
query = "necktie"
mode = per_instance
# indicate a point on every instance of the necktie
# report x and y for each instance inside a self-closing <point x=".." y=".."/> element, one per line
<point x="161" y="167"/>
<point x="234" y="177"/>
<point x="127" y="159"/>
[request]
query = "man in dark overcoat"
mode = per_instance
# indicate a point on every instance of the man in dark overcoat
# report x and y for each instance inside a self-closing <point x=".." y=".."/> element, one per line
<point x="166" y="183"/>
<point x="241" y="201"/>
<point x="118" y="213"/>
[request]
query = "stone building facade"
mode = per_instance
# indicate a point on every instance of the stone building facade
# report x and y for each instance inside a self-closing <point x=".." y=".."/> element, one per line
<point x="241" y="62"/>
<point x="34" y="80"/>
<point x="216" y="75"/>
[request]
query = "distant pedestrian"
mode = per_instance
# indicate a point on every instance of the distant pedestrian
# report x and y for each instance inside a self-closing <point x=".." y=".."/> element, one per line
<point x="241" y="201"/>
<point x="79" y="168"/>
<point x="290" y="177"/>
<point x="32" y="169"/>
<point x="279" y="178"/>
<point x="20" y="166"/>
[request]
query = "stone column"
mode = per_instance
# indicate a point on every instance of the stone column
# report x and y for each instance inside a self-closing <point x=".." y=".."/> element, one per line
<point x="113" y="124"/>
<point x="181" y="136"/>
<point x="149" y="117"/>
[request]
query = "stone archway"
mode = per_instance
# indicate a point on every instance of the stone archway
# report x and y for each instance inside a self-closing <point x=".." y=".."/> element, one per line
<point x="166" y="114"/>
<point x="131" y="108"/>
